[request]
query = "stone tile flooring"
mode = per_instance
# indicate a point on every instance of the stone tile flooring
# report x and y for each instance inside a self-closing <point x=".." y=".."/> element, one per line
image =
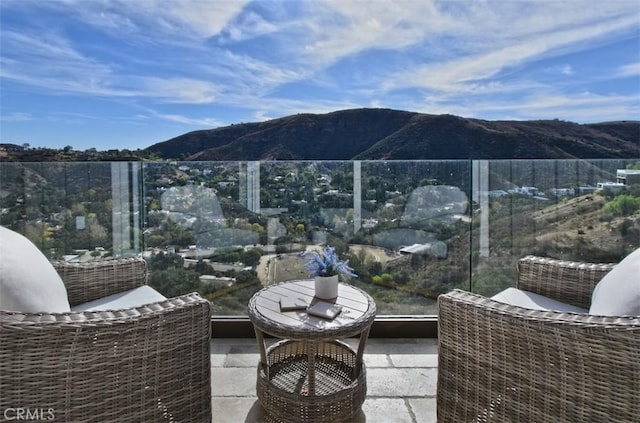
<point x="401" y="381"/>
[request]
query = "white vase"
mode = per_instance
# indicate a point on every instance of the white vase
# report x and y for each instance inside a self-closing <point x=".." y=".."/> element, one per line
<point x="326" y="287"/>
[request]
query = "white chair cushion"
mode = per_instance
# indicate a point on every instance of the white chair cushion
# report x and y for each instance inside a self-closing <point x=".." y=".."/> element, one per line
<point x="618" y="292"/>
<point x="533" y="301"/>
<point x="135" y="297"/>
<point x="28" y="281"/>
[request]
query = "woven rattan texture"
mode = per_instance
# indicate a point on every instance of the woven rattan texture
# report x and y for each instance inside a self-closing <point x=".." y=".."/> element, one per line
<point x="543" y="275"/>
<point x="310" y="376"/>
<point x="500" y="363"/>
<point x="97" y="279"/>
<point x="146" y="364"/>
<point x="340" y="387"/>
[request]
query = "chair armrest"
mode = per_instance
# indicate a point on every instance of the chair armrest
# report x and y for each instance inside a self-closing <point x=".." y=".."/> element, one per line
<point x="567" y="281"/>
<point x="97" y="279"/>
<point x="150" y="363"/>
<point x="498" y="362"/>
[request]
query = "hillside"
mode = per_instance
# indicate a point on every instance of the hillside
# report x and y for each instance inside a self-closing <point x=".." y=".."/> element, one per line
<point x="577" y="228"/>
<point x="375" y="134"/>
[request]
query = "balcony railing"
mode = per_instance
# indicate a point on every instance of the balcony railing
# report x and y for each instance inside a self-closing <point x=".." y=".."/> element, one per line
<point x="411" y="229"/>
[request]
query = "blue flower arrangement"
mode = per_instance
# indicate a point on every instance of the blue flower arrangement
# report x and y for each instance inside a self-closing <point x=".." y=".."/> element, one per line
<point x="327" y="263"/>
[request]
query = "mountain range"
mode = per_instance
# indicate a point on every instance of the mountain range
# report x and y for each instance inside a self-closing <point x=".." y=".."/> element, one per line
<point x="384" y="134"/>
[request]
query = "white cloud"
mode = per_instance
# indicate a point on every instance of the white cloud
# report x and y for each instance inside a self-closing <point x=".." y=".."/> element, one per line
<point x="567" y="70"/>
<point x="49" y="62"/>
<point x="262" y="115"/>
<point x="181" y="19"/>
<point x="206" y="122"/>
<point x="256" y="74"/>
<point x="204" y="18"/>
<point x="16" y="117"/>
<point x="581" y="107"/>
<point x="339" y="28"/>
<point x="251" y="25"/>
<point x="632" y="69"/>
<point x="179" y="90"/>
<point x="456" y="74"/>
<point x="68" y="70"/>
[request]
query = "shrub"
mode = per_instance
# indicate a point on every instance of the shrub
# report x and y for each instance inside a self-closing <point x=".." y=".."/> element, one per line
<point x="623" y="205"/>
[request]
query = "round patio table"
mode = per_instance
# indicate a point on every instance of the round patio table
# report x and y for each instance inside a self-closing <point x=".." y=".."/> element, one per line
<point x="311" y="375"/>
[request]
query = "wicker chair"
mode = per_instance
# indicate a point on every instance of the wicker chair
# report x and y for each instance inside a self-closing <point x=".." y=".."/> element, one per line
<point x="145" y="364"/>
<point x="501" y="363"/>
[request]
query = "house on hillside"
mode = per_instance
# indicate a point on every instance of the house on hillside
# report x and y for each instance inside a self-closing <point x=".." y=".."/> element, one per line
<point x="436" y="249"/>
<point x="628" y="176"/>
<point x="611" y="186"/>
<point x="624" y="177"/>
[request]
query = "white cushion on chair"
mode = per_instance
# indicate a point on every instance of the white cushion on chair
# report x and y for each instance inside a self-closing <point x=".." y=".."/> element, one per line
<point x="533" y="301"/>
<point x="28" y="281"/>
<point x="136" y="297"/>
<point x="618" y="292"/>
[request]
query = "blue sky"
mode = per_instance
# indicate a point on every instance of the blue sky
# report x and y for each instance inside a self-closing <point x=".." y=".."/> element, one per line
<point x="129" y="73"/>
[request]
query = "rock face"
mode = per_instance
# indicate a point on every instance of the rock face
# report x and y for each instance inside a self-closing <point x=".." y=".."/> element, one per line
<point x="383" y="134"/>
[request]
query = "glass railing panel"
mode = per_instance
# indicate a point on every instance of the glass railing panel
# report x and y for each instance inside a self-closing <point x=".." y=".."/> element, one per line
<point x="203" y="231"/>
<point x="412" y="236"/>
<point x="411" y="229"/>
<point x="404" y="225"/>
<point x="550" y="208"/>
<point x="69" y="210"/>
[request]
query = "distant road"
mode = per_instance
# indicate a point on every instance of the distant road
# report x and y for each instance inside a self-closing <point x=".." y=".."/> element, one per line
<point x="264" y="269"/>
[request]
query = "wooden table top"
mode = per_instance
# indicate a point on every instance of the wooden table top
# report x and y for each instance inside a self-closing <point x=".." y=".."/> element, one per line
<point x="358" y="312"/>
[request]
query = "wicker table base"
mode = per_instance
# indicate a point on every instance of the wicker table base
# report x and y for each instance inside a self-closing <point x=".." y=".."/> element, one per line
<point x="310" y="376"/>
<point x="283" y="389"/>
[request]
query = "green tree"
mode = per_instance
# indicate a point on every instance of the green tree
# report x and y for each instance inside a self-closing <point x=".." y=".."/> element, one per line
<point x="164" y="261"/>
<point x="174" y="282"/>
<point x="491" y="282"/>
<point x="635" y="166"/>
<point x="203" y="268"/>
<point x="252" y="257"/>
<point x="623" y="205"/>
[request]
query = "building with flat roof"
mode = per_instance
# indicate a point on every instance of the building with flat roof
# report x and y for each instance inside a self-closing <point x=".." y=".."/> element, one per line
<point x="628" y="176"/>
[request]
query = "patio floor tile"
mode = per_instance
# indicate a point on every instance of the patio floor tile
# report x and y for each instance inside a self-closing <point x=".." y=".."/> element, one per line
<point x="401" y="381"/>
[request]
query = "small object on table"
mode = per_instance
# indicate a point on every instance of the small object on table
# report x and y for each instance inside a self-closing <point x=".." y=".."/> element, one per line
<point x="325" y="310"/>
<point x="293" y="304"/>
